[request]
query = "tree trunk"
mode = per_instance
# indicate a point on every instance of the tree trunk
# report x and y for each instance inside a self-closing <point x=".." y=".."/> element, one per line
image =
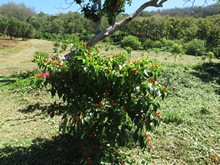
<point x="98" y="22"/>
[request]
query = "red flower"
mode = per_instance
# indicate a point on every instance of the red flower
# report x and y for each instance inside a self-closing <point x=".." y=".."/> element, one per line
<point x="95" y="105"/>
<point x="165" y="89"/>
<point x="54" y="63"/>
<point x="78" y="118"/>
<point x="157" y="115"/>
<point x="146" y="134"/>
<point x="151" y="80"/>
<point x="100" y="106"/>
<point x="133" y="70"/>
<point x="112" y="101"/>
<point x="47" y="75"/>
<point x="148" y="140"/>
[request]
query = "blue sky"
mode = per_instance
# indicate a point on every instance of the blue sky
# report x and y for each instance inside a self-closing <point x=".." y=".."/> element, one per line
<point x="55" y="6"/>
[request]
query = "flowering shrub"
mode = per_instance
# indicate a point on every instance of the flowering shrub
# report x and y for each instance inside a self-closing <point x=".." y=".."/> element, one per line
<point x="107" y="101"/>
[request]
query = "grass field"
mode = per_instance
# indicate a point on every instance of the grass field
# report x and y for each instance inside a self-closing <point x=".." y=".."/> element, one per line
<point x="189" y="133"/>
<point x="16" y="56"/>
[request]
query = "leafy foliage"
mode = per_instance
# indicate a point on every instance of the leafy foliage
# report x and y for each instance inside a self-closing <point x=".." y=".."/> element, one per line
<point x="94" y="10"/>
<point x="131" y="41"/>
<point x="195" y="47"/>
<point x="18" y="11"/>
<point x="108" y="101"/>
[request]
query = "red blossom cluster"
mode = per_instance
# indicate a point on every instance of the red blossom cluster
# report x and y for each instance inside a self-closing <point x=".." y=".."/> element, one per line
<point x="47" y="75"/>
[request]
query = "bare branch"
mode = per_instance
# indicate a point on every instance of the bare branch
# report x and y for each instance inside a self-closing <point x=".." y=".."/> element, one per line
<point x="193" y="2"/>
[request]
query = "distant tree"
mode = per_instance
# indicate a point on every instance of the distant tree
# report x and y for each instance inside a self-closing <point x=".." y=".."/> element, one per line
<point x="27" y="31"/>
<point x="175" y="50"/>
<point x="14" y="28"/>
<point x="3" y="25"/>
<point x="204" y="28"/>
<point x="131" y="41"/>
<point x="56" y="26"/>
<point x="188" y="28"/>
<point x="19" y="11"/>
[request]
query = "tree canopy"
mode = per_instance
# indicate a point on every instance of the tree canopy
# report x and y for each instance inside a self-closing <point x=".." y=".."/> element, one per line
<point x="18" y="11"/>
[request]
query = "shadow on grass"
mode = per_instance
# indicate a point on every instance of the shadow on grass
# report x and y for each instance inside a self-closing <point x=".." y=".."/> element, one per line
<point x="6" y="80"/>
<point x="24" y="75"/>
<point x="32" y="108"/>
<point x="209" y="72"/>
<point x="61" y="150"/>
<point x="51" y="109"/>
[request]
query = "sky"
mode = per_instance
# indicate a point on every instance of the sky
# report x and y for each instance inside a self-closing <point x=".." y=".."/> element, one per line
<point x="57" y="6"/>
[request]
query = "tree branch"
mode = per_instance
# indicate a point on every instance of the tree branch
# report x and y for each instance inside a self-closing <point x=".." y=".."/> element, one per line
<point x="110" y="30"/>
<point x="193" y="2"/>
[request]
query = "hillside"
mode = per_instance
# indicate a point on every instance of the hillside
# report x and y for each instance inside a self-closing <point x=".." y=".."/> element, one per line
<point x="195" y="11"/>
<point x="16" y="55"/>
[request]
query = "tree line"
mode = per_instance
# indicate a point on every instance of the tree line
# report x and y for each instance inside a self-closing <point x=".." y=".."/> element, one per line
<point x="145" y="27"/>
<point x="173" y="28"/>
<point x="193" y="11"/>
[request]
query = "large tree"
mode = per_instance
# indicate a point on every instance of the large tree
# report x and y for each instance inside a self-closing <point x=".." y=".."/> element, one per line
<point x="96" y="9"/>
<point x="18" y="11"/>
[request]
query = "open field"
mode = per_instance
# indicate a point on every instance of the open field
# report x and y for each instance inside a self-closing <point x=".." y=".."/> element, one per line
<point x="16" y="56"/>
<point x="165" y="57"/>
<point x="189" y="133"/>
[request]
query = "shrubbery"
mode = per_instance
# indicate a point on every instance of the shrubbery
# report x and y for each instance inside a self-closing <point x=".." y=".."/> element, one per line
<point x="163" y="44"/>
<point x="131" y="41"/>
<point x="195" y="47"/>
<point x="110" y="102"/>
<point x="148" y="44"/>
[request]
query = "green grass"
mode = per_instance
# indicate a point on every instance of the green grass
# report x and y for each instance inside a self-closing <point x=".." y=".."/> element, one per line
<point x="189" y="133"/>
<point x="165" y="57"/>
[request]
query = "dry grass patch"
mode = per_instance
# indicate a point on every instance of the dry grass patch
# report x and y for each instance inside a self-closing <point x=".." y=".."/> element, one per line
<point x="18" y="55"/>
